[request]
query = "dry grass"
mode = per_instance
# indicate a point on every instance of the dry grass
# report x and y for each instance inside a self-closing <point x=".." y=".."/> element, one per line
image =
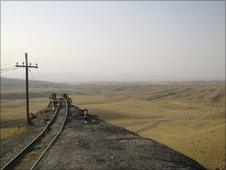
<point x="11" y="132"/>
<point x="15" y="109"/>
<point x="188" y="131"/>
<point x="188" y="117"/>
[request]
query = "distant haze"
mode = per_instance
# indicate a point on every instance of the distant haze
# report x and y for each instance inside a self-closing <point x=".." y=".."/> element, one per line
<point x="113" y="41"/>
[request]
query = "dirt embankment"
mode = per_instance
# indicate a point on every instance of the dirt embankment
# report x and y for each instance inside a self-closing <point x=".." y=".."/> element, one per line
<point x="96" y="144"/>
<point x="100" y="145"/>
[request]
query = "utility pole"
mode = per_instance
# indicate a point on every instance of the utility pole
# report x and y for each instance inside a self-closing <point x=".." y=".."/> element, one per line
<point x="27" y="90"/>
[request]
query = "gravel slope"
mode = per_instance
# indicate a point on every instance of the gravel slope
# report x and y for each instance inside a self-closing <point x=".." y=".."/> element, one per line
<point x="100" y="145"/>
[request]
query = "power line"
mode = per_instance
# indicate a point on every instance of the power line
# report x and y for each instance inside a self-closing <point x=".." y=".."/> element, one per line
<point x="34" y="80"/>
<point x="3" y="70"/>
<point x="7" y="67"/>
<point x="37" y="84"/>
<point x="7" y="64"/>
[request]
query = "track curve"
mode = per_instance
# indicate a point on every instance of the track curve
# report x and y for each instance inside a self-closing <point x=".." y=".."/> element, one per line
<point x="31" y="154"/>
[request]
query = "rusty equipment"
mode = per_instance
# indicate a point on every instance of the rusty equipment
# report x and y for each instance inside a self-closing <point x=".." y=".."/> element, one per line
<point x="53" y="101"/>
<point x="69" y="100"/>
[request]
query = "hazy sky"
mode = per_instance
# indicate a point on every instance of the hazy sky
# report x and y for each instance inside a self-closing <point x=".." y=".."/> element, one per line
<point x="166" y="40"/>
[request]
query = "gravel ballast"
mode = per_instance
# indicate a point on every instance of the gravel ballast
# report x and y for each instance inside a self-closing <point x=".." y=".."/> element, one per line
<point x="96" y="144"/>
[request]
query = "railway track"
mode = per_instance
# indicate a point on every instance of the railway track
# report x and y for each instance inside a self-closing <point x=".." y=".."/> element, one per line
<point x="31" y="154"/>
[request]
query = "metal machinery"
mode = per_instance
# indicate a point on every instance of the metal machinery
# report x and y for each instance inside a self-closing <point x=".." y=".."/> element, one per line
<point x="53" y="101"/>
<point x="69" y="100"/>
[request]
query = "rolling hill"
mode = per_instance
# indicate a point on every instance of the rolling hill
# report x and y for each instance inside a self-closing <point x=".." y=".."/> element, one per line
<point x="187" y="116"/>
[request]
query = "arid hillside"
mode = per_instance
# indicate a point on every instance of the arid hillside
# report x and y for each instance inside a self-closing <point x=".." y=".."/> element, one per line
<point x="187" y="116"/>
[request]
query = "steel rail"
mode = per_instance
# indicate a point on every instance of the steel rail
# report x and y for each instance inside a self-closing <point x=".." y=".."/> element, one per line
<point x="14" y="160"/>
<point x="54" y="139"/>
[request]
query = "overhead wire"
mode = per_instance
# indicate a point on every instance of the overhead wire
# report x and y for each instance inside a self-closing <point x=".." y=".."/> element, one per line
<point x="7" y="65"/>
<point x="7" y="69"/>
<point x="37" y="84"/>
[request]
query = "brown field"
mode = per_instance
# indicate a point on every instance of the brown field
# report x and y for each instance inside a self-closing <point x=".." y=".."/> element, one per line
<point x="189" y="117"/>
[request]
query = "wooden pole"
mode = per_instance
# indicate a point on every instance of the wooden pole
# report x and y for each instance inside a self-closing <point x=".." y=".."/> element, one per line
<point x="29" y="122"/>
<point x="27" y="91"/>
